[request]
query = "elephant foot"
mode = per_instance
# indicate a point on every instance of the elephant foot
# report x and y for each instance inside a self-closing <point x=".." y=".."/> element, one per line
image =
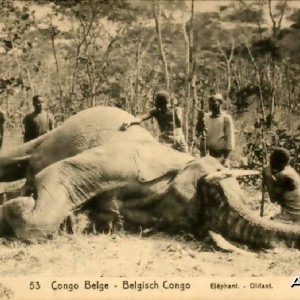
<point x="76" y="223"/>
<point x="18" y="214"/>
<point x="11" y="215"/>
<point x="5" y="229"/>
<point x="104" y="214"/>
<point x="109" y="222"/>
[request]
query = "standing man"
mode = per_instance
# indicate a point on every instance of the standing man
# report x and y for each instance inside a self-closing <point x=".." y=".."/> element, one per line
<point x="169" y="119"/>
<point x="219" y="130"/>
<point x="38" y="122"/>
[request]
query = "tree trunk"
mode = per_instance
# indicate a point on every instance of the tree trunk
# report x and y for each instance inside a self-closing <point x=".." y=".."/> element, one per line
<point x="187" y="81"/>
<point x="189" y="73"/>
<point x="57" y="70"/>
<point x="137" y="77"/>
<point x="259" y="83"/>
<point x="157" y="18"/>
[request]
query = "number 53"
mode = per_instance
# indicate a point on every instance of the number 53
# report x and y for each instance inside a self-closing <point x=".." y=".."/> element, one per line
<point x="34" y="285"/>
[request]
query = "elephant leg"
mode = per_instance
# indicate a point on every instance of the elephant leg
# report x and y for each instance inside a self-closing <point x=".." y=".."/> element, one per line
<point x="5" y="228"/>
<point x="105" y="214"/>
<point x="140" y="217"/>
<point x="77" y="222"/>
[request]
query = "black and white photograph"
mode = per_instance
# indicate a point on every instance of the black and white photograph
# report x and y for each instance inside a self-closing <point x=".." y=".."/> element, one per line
<point x="150" y="149"/>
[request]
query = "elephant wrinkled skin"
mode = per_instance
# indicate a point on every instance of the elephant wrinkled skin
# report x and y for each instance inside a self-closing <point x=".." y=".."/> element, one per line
<point x="89" y="128"/>
<point x="134" y="177"/>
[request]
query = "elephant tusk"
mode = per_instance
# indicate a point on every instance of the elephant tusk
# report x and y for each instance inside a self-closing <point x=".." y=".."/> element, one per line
<point x="226" y="246"/>
<point x="216" y="177"/>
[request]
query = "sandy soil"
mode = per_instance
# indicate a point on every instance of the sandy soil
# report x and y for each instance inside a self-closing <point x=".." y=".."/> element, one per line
<point x="130" y="255"/>
<point x="125" y="254"/>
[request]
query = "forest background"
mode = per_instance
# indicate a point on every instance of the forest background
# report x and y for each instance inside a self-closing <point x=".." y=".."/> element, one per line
<point x="82" y="53"/>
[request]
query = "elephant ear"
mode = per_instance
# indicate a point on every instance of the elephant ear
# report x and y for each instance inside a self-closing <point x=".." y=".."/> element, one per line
<point x="155" y="160"/>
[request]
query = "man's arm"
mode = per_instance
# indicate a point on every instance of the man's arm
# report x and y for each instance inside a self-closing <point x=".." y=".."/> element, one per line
<point x="274" y="184"/>
<point x="179" y="115"/>
<point x="144" y="117"/>
<point x="51" y="121"/>
<point x="2" y="121"/>
<point x="140" y="119"/>
<point x="229" y="136"/>
<point x="24" y="127"/>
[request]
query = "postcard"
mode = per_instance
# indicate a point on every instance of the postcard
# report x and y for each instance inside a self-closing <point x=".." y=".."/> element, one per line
<point x="149" y="149"/>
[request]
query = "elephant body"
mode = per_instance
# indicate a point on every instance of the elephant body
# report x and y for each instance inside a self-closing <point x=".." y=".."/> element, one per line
<point x="87" y="129"/>
<point x="133" y="177"/>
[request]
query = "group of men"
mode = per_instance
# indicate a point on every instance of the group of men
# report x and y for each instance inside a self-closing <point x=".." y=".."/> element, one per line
<point x="219" y="130"/>
<point x="281" y="180"/>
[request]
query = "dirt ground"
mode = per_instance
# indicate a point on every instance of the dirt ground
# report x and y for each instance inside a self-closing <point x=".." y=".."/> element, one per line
<point x="130" y="255"/>
<point x="125" y="254"/>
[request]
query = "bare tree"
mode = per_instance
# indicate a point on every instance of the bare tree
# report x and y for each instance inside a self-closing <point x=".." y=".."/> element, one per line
<point x="189" y="71"/>
<point x="276" y="18"/>
<point x="157" y="18"/>
<point x="53" y="34"/>
<point x="228" y="59"/>
<point x="258" y="78"/>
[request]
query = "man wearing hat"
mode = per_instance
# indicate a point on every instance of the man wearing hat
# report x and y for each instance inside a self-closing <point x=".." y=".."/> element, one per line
<point x="220" y="130"/>
<point x="38" y="122"/>
<point x="170" y="134"/>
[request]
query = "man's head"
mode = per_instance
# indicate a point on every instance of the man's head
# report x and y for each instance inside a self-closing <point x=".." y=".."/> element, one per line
<point x="279" y="159"/>
<point x="215" y="102"/>
<point x="161" y="99"/>
<point x="38" y="103"/>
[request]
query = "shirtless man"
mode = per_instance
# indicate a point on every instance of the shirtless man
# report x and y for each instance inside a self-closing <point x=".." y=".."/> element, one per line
<point x="38" y="122"/>
<point x="170" y="135"/>
<point x="283" y="184"/>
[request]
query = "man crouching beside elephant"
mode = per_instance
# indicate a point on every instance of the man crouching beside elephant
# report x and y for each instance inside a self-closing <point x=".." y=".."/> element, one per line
<point x="283" y="184"/>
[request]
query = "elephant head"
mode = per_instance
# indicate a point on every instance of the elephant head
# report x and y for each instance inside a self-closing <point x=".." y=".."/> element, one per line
<point x="226" y="212"/>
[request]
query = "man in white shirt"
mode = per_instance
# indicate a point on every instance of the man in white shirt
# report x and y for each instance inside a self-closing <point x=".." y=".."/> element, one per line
<point x="219" y="130"/>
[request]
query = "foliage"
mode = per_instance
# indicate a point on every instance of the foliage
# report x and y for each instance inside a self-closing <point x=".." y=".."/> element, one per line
<point x="246" y="14"/>
<point x="259" y="144"/>
<point x="82" y="53"/>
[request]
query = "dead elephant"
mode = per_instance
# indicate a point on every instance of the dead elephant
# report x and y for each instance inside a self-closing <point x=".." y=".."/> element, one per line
<point x="147" y="184"/>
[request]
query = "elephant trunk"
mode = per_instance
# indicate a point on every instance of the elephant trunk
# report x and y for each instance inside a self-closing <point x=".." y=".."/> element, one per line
<point x="31" y="218"/>
<point x="226" y="212"/>
<point x="24" y="149"/>
<point x="14" y="161"/>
